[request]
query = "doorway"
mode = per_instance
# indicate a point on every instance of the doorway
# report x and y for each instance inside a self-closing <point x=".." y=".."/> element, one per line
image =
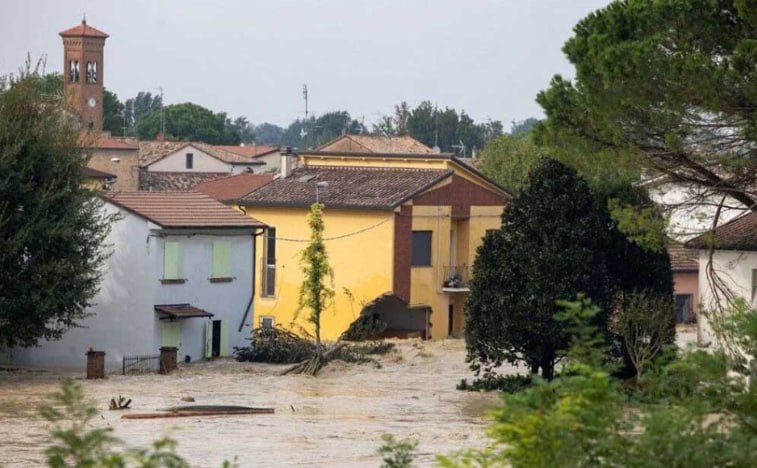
<point x="215" y="345"/>
<point x="450" y="319"/>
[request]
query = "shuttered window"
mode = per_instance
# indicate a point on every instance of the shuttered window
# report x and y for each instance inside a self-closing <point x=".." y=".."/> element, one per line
<point x="173" y="261"/>
<point x="221" y="259"/>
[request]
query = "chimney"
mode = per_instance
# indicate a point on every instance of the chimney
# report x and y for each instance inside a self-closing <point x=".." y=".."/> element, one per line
<point x="287" y="153"/>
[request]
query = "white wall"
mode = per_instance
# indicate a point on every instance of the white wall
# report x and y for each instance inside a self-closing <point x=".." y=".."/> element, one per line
<point x="272" y="162"/>
<point x="688" y="216"/>
<point x="177" y="162"/>
<point x="227" y="301"/>
<point x="123" y="317"/>
<point x="734" y="268"/>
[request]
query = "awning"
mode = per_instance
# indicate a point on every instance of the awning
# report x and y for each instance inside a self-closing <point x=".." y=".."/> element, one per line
<point x="180" y="311"/>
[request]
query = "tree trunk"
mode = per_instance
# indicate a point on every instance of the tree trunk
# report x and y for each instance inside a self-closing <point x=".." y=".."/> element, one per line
<point x="548" y="368"/>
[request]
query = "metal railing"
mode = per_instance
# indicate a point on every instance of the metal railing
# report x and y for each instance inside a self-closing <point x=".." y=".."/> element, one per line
<point x="455" y="277"/>
<point x="141" y="364"/>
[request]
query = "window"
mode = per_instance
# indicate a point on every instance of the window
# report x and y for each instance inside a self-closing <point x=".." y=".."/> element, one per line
<point x="73" y="71"/>
<point x="267" y="321"/>
<point x="190" y="160"/>
<point x="421" y="248"/>
<point x="221" y="260"/>
<point x="172" y="262"/>
<point x="684" y="311"/>
<point x="91" y="72"/>
<point x="269" y="264"/>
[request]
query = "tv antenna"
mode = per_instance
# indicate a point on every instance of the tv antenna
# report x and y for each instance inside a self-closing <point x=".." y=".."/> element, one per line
<point x="303" y="131"/>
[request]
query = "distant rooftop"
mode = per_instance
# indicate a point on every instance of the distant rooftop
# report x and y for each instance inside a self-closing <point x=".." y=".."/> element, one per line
<point x="250" y="150"/>
<point x="737" y="234"/>
<point x="151" y="152"/>
<point x="232" y="188"/>
<point x="376" y="144"/>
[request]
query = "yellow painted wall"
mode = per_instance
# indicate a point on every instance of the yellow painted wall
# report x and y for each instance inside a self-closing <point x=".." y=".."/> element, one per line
<point x="362" y="264"/>
<point x="374" y="161"/>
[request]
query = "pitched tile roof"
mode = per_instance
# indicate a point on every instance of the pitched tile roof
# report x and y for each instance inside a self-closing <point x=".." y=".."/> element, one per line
<point x="681" y="258"/>
<point x="89" y="173"/>
<point x="378" y="144"/>
<point x="83" y="29"/>
<point x="232" y="188"/>
<point x="153" y="151"/>
<point x="348" y="187"/>
<point x="249" y="151"/>
<point x="737" y="234"/>
<point x="181" y="209"/>
<point x="174" y="181"/>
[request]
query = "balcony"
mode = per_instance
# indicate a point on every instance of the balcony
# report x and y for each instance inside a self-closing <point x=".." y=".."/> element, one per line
<point x="455" y="279"/>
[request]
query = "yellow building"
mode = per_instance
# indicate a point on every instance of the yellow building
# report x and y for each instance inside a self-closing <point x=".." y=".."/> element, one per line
<point x="407" y="223"/>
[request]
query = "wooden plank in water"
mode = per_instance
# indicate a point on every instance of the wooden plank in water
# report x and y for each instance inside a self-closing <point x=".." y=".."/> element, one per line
<point x="185" y="414"/>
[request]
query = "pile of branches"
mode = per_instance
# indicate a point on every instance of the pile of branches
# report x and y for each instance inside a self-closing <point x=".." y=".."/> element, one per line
<point x="366" y="327"/>
<point x="275" y="346"/>
<point x="342" y="351"/>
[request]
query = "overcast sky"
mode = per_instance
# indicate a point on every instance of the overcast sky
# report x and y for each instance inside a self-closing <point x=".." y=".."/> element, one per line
<point x="251" y="57"/>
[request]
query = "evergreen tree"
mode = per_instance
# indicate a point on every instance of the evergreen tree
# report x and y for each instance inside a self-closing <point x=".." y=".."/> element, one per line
<point x="51" y="226"/>
<point x="553" y="245"/>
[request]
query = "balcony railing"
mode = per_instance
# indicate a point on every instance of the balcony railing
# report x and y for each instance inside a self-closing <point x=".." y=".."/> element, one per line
<point x="455" y="278"/>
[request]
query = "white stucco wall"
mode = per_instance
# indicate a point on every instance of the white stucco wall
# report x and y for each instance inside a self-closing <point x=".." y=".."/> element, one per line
<point x="688" y="215"/>
<point x="177" y="162"/>
<point x="734" y="268"/>
<point x="272" y="162"/>
<point x="227" y="301"/>
<point x="123" y="317"/>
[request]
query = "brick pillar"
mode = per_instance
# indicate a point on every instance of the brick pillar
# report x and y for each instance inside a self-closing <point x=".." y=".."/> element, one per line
<point x="168" y="359"/>
<point x="95" y="364"/>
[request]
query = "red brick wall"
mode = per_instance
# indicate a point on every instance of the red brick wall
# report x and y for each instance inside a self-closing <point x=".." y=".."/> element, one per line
<point x="403" y="226"/>
<point x="461" y="194"/>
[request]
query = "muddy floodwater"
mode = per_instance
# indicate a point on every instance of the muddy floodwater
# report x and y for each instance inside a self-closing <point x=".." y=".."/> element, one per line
<point x="335" y="419"/>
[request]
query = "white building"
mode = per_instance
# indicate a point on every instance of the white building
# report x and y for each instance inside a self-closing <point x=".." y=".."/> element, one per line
<point x="180" y="274"/>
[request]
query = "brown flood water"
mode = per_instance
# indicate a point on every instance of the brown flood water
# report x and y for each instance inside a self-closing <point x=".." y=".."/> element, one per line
<point x="335" y="419"/>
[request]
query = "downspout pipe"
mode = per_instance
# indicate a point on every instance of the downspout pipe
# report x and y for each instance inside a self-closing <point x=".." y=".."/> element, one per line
<point x="248" y="309"/>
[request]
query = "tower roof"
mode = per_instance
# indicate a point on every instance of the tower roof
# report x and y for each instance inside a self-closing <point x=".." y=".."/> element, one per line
<point x="83" y="30"/>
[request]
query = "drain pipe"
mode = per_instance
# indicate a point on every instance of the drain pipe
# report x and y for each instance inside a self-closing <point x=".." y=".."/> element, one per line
<point x="247" y="309"/>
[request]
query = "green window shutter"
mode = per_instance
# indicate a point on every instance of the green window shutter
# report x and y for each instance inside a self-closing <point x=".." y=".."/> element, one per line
<point x="172" y="261"/>
<point x="221" y="259"/>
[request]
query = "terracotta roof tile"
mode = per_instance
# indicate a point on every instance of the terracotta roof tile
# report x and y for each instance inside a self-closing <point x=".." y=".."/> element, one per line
<point x="348" y="187"/>
<point x="83" y="29"/>
<point x="737" y="234"/>
<point x="232" y="188"/>
<point x="153" y="151"/>
<point x="681" y="258"/>
<point x="89" y="173"/>
<point x="249" y="151"/>
<point x="380" y="144"/>
<point x="182" y="209"/>
<point x="174" y="181"/>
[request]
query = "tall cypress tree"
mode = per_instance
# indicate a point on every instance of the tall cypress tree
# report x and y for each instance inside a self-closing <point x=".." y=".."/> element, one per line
<point x="553" y="245"/>
<point x="51" y="225"/>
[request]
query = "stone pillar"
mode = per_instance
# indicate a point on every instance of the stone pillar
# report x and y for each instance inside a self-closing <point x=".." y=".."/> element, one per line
<point x="168" y="359"/>
<point x="95" y="364"/>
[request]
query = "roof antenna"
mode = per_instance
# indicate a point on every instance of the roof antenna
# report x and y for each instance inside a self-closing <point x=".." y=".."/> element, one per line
<point x="436" y="130"/>
<point x="84" y="18"/>
<point x="303" y="131"/>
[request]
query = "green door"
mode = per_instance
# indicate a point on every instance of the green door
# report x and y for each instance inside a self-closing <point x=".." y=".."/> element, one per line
<point x="171" y="335"/>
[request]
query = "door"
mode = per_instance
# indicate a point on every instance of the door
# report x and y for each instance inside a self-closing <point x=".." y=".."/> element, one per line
<point x="216" y="340"/>
<point x="450" y="319"/>
<point x="171" y="335"/>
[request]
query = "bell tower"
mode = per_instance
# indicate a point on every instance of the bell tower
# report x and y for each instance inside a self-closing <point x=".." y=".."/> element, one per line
<point x="83" y="73"/>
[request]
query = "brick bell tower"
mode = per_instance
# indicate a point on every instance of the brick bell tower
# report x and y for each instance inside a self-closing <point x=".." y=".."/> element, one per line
<point x="83" y="73"/>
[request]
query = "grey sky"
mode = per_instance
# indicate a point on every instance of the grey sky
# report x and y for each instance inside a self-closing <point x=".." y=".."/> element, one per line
<point x="251" y="57"/>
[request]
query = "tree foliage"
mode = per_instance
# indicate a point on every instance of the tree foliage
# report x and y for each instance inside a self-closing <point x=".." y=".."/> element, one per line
<point x="137" y="107"/>
<point x="671" y="81"/>
<point x="553" y="245"/>
<point x="315" y="294"/>
<point x="558" y="240"/>
<point x="189" y="122"/>
<point x="698" y="410"/>
<point x="52" y="228"/>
